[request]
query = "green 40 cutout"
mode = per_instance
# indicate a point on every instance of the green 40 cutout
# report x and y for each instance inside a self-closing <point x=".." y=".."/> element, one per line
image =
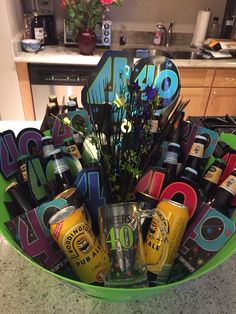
<point x="123" y="235"/>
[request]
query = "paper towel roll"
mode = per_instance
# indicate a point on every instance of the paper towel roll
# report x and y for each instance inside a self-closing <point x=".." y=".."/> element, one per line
<point x="200" y="30"/>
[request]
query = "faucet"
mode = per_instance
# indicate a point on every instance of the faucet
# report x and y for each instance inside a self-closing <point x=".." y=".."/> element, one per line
<point x="167" y="32"/>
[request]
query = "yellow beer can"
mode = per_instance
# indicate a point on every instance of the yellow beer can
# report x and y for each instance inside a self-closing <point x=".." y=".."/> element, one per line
<point x="174" y="217"/>
<point x="71" y="231"/>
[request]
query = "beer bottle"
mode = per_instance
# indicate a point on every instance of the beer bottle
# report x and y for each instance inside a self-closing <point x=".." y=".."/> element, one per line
<point x="23" y="179"/>
<point x="47" y="145"/>
<point x="53" y="99"/>
<point x="21" y="202"/>
<point x="71" y="106"/>
<point x="195" y="156"/>
<point x="224" y="194"/>
<point x="72" y="149"/>
<point x="74" y="98"/>
<point x="48" y="120"/>
<point x="171" y="161"/>
<point x="211" y="178"/>
<point x="64" y="177"/>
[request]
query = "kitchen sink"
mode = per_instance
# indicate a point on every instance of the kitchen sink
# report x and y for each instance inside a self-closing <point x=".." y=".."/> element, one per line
<point x="171" y="54"/>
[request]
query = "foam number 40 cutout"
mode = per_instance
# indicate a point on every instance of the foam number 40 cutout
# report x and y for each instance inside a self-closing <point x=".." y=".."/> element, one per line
<point x="160" y="73"/>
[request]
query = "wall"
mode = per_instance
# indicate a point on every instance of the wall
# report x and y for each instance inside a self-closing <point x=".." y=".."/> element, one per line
<point x="143" y="15"/>
<point x="10" y="21"/>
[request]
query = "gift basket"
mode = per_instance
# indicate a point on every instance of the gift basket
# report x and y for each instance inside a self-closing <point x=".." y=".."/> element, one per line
<point x="121" y="198"/>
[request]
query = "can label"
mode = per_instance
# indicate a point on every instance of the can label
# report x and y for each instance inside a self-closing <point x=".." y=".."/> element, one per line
<point x="213" y="174"/>
<point x="229" y="184"/>
<point x="73" y="150"/>
<point x="175" y="219"/>
<point x="197" y="150"/>
<point x="84" y="252"/>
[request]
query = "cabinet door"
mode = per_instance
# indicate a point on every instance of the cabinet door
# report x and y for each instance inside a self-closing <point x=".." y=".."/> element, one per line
<point x="221" y="102"/>
<point x="198" y="100"/>
<point x="196" y="77"/>
<point x="225" y="78"/>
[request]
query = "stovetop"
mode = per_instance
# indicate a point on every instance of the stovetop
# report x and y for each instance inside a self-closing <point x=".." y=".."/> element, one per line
<point x="220" y="124"/>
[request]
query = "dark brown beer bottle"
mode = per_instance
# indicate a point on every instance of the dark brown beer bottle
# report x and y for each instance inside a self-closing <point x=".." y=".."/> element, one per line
<point x="171" y="161"/>
<point x="211" y="178"/>
<point x="64" y="177"/>
<point x="37" y="28"/>
<point x="18" y="197"/>
<point x="195" y="156"/>
<point x="47" y="145"/>
<point x="52" y="110"/>
<point x="224" y="194"/>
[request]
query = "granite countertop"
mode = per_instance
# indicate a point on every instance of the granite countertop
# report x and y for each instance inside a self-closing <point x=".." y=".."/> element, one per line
<point x="26" y="289"/>
<point x="67" y="55"/>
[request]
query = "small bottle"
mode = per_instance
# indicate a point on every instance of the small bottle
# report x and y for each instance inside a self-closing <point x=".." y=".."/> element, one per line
<point x="157" y="35"/>
<point x="37" y="28"/>
<point x="211" y="178"/>
<point x="195" y="156"/>
<point x="224" y="194"/>
<point x="27" y="29"/>
<point x="73" y="150"/>
<point x="18" y="197"/>
<point x="62" y="172"/>
<point x="214" y="29"/>
<point x="47" y="146"/>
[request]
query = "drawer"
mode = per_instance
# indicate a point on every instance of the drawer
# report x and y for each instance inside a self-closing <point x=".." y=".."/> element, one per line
<point x="196" y="77"/>
<point x="225" y="78"/>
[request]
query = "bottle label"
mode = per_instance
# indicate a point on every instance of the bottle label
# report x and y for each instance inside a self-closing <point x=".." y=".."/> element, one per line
<point x="154" y="126"/>
<point x="60" y="166"/>
<point x="197" y="150"/>
<point x="73" y="150"/>
<point x="171" y="158"/>
<point x="229" y="184"/>
<point x="213" y="174"/>
<point x="38" y="33"/>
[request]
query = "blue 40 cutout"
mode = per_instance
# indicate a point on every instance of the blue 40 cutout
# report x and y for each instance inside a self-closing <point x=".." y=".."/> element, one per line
<point x="106" y="82"/>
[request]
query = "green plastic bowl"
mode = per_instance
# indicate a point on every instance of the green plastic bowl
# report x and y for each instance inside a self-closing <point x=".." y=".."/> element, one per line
<point x="112" y="294"/>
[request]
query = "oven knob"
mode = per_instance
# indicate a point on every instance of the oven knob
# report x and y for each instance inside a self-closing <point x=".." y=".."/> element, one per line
<point x="106" y="33"/>
<point x="106" y="25"/>
<point x="106" y="40"/>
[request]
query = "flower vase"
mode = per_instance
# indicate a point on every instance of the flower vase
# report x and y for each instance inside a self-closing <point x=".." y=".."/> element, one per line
<point x="86" y="41"/>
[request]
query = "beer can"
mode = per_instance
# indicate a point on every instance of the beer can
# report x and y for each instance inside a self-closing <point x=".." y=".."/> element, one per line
<point x="174" y="217"/>
<point x="76" y="239"/>
<point x="73" y="198"/>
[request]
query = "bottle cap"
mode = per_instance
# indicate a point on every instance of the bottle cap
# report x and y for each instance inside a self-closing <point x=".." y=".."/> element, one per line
<point x="68" y="139"/>
<point x="174" y="144"/>
<point x="71" y="103"/>
<point x="23" y="157"/>
<point x="191" y="170"/>
<point x="13" y="184"/>
<point x="200" y="137"/>
<point x="45" y="138"/>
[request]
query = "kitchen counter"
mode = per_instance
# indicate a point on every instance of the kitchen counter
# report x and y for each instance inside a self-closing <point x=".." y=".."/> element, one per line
<point x="26" y="289"/>
<point x="68" y="55"/>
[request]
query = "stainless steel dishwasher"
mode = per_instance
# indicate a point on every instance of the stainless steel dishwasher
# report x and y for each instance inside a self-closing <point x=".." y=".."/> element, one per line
<point x="60" y="80"/>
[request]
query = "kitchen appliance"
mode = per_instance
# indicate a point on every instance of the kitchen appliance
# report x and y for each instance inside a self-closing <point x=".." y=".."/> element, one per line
<point x="46" y="15"/>
<point x="102" y="30"/>
<point x="59" y="80"/>
<point x="228" y="25"/>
